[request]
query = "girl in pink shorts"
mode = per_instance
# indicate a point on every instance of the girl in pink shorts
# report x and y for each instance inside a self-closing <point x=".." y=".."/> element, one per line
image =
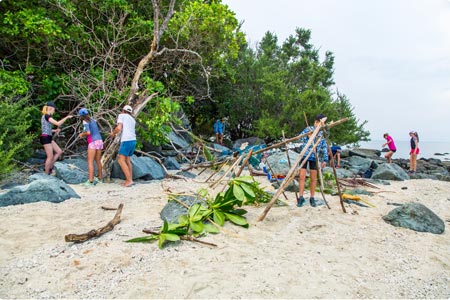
<point x="95" y="146"/>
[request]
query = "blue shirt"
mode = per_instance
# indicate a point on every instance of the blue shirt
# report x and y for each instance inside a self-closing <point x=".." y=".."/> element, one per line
<point x="92" y="127"/>
<point x="218" y="127"/>
<point x="321" y="148"/>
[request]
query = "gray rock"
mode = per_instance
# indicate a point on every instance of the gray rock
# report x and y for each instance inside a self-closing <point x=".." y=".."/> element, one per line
<point x="359" y="165"/>
<point x="178" y="141"/>
<point x="172" y="210"/>
<point x="186" y="174"/>
<point x="143" y="168"/>
<point x="415" y="216"/>
<point x="365" y="153"/>
<point x="42" y="187"/>
<point x="172" y="164"/>
<point x="387" y="171"/>
<point x="279" y="163"/>
<point x="72" y="171"/>
<point x="341" y="172"/>
<point x="251" y="141"/>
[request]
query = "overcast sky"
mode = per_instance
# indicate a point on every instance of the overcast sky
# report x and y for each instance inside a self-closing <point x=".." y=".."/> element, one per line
<point x="392" y="57"/>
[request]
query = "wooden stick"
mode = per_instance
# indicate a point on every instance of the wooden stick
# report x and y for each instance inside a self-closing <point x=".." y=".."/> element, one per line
<point x="244" y="163"/>
<point x="289" y="160"/>
<point x="295" y="138"/>
<point x="291" y="171"/>
<point x="334" y="170"/>
<point x="78" y="238"/>
<point x="226" y="173"/>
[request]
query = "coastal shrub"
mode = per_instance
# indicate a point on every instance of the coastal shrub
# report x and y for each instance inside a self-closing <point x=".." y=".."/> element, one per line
<point x="202" y="219"/>
<point x="15" y="121"/>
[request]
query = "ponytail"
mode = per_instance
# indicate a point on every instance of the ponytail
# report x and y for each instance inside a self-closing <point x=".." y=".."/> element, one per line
<point x="44" y="110"/>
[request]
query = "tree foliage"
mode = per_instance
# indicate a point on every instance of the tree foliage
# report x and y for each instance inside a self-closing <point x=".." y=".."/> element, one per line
<point x="87" y="54"/>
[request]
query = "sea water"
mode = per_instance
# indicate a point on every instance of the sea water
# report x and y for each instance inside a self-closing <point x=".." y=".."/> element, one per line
<point x="427" y="149"/>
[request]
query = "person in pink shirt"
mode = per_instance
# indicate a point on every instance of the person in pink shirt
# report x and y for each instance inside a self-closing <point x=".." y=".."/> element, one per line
<point x="391" y="145"/>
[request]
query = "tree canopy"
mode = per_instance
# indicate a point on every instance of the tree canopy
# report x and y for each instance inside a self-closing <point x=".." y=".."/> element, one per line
<point x="86" y="54"/>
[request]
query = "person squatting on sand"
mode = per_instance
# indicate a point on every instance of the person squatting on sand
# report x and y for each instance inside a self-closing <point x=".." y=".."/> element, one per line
<point x="52" y="150"/>
<point x="126" y="123"/>
<point x="95" y="146"/>
<point x="391" y="145"/>
<point x="322" y="152"/>
<point x="414" y="151"/>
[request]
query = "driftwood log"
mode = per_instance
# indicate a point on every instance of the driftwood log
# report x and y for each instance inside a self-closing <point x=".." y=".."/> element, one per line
<point x="78" y="238"/>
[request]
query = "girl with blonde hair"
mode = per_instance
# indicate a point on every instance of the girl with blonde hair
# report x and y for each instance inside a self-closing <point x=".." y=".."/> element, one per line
<point x="52" y="150"/>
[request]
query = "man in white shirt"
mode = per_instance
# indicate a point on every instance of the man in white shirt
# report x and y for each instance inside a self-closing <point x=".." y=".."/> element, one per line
<point x="126" y="123"/>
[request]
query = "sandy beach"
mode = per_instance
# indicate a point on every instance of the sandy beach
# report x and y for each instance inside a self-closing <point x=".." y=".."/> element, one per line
<point x="294" y="253"/>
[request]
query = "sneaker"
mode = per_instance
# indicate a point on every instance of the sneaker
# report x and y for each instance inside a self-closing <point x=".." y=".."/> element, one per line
<point x="98" y="180"/>
<point x="88" y="184"/>
<point x="301" y="201"/>
<point x="312" y="202"/>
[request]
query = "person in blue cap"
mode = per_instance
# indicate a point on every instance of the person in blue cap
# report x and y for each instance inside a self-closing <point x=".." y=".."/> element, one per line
<point x="95" y="146"/>
<point x="52" y="150"/>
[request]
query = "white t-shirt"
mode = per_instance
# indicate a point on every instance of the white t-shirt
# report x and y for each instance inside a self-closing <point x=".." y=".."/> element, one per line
<point x="128" y="127"/>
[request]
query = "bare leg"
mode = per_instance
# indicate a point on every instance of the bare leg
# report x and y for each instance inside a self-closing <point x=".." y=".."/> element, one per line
<point x="122" y="160"/>
<point x="411" y="162"/>
<point x="98" y="160"/>
<point x="388" y="156"/>
<point x="221" y="139"/>
<point x="90" y="161"/>
<point x="49" y="160"/>
<point x="217" y="137"/>
<point x="414" y="162"/>
<point x="57" y="150"/>
<point x="301" y="181"/>
<point x="338" y="159"/>
<point x="313" y="181"/>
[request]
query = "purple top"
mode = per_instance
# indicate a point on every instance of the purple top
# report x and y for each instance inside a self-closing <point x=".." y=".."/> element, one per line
<point x="390" y="143"/>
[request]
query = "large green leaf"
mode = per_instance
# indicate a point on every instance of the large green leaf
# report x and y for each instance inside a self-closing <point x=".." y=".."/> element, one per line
<point x="248" y="189"/>
<point x="219" y="217"/>
<point x="238" y="220"/>
<point x="211" y="228"/>
<point x="144" y="239"/>
<point x="171" y="237"/>
<point x="238" y="192"/>
<point x="197" y="226"/>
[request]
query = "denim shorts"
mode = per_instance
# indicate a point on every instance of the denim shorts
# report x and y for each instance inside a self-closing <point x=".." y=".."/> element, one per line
<point x="127" y="148"/>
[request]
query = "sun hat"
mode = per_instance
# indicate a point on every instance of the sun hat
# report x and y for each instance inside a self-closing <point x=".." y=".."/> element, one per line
<point x="83" y="112"/>
<point x="128" y="108"/>
<point x="51" y="104"/>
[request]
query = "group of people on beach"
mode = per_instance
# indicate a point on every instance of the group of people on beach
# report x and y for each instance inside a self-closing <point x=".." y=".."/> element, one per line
<point x="125" y="125"/>
<point x="414" y="143"/>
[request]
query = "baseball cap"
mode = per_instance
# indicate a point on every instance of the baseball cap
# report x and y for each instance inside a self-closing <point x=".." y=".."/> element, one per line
<point x="320" y="117"/>
<point x="128" y="108"/>
<point x="83" y="112"/>
<point x="51" y="104"/>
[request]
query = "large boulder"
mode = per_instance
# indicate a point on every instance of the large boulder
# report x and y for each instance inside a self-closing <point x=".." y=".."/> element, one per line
<point x="177" y="140"/>
<point x="173" y="209"/>
<point x="42" y="187"/>
<point x="241" y="144"/>
<point x="359" y="165"/>
<point x="279" y="163"/>
<point x="387" y="171"/>
<point x="143" y="168"/>
<point x="73" y="171"/>
<point x="415" y="216"/>
<point x="366" y="153"/>
<point x="172" y="164"/>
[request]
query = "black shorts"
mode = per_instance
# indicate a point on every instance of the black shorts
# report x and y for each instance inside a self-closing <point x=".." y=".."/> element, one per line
<point x="45" y="139"/>
<point x="312" y="165"/>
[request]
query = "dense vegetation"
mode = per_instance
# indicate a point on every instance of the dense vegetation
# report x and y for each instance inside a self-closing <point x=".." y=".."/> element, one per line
<point x="86" y="53"/>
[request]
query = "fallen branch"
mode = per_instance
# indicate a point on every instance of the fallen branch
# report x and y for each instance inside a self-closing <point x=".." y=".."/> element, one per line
<point x="78" y="238"/>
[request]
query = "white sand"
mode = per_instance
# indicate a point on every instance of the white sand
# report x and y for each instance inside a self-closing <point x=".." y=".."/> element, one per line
<point x="294" y="253"/>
